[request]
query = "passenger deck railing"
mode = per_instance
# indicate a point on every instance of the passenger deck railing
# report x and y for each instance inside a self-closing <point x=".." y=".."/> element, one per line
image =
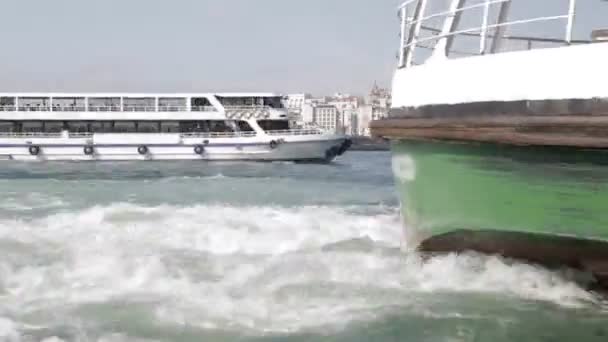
<point x="31" y="135"/>
<point x="417" y="30"/>
<point x="111" y="108"/>
<point x="248" y="108"/>
<point x="218" y="134"/>
<point x="90" y="134"/>
<point x="292" y="132"/>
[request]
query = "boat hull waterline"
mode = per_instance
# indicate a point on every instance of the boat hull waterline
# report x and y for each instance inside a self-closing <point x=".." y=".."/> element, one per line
<point x="70" y="149"/>
<point x="541" y="204"/>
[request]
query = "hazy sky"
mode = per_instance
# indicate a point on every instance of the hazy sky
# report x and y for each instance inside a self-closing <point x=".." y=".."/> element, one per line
<point x="318" y="46"/>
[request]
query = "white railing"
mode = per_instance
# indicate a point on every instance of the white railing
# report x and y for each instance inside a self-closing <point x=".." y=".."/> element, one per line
<point x="218" y="135"/>
<point x="77" y="135"/>
<point x="112" y="108"/>
<point x="248" y="108"/>
<point x="417" y="31"/>
<point x="30" y="135"/>
<point x="291" y="132"/>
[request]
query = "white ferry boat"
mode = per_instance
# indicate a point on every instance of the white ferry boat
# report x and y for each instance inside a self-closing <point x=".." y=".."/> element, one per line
<point x="113" y="126"/>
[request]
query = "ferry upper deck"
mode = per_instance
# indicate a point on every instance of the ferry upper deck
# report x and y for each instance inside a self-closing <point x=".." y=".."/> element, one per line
<point x="136" y="102"/>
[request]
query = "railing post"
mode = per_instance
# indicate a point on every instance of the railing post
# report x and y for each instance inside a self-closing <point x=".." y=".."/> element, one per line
<point x="502" y="18"/>
<point x="403" y="37"/>
<point x="414" y="32"/>
<point x="484" y="28"/>
<point x="442" y="49"/>
<point x="571" y="15"/>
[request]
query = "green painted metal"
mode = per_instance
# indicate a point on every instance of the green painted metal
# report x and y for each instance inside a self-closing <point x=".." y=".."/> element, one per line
<point x="448" y="186"/>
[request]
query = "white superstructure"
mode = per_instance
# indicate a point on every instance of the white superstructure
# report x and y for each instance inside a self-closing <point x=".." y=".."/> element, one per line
<point x="116" y="126"/>
<point x="475" y="51"/>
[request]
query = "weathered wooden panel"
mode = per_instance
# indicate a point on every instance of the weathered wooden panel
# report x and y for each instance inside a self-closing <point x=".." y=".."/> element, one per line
<point x="576" y="123"/>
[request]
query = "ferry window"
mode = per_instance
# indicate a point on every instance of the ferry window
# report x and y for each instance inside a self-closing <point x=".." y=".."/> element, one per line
<point x="201" y="104"/>
<point x="102" y="126"/>
<point x="7" y="104"/>
<point x="139" y="104"/>
<point x="34" y="104"/>
<point x="273" y="102"/>
<point x="78" y="126"/>
<point x="169" y="127"/>
<point x="31" y="126"/>
<point x="189" y="126"/>
<point x="68" y="104"/>
<point x="7" y="126"/>
<point x="273" y="125"/>
<point x="218" y="126"/>
<point x="239" y="101"/>
<point x="244" y="126"/>
<point x="125" y="127"/>
<point x="172" y="104"/>
<point x="104" y="104"/>
<point x="52" y="126"/>
<point x="148" y="126"/>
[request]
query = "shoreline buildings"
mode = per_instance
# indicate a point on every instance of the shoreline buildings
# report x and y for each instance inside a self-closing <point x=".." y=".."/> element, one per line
<point x="340" y="113"/>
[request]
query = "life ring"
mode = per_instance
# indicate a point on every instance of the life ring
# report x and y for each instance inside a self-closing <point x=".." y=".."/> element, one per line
<point x="142" y="150"/>
<point x="88" y="150"/>
<point x="273" y="144"/>
<point x="199" y="149"/>
<point x="34" y="150"/>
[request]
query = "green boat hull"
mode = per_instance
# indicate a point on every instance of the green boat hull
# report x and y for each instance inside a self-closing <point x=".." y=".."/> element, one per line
<point x="487" y="191"/>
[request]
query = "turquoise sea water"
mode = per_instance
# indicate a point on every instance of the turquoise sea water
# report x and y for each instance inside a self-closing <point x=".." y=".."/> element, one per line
<point x="253" y="252"/>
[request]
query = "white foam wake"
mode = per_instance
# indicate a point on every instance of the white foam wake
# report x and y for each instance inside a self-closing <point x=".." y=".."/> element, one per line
<point x="262" y="268"/>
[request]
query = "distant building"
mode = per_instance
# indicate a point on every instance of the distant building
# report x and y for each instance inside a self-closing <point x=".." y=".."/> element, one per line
<point x="342" y="113"/>
<point x="323" y="115"/>
<point x="295" y="102"/>
<point x="326" y="117"/>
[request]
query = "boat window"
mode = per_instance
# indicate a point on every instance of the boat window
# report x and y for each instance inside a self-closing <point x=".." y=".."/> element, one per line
<point x="241" y="101"/>
<point x="124" y="127"/>
<point x="34" y="104"/>
<point x="104" y="104"/>
<point x="191" y="127"/>
<point x="102" y="127"/>
<point x="68" y="104"/>
<point x="273" y="125"/>
<point x="201" y="104"/>
<point x="7" y="126"/>
<point x="77" y="126"/>
<point x="172" y="104"/>
<point x="169" y="127"/>
<point x="218" y="126"/>
<point x="274" y="102"/>
<point x="148" y="126"/>
<point x="244" y="126"/>
<point x="31" y="126"/>
<point x="52" y="126"/>
<point x="7" y="104"/>
<point x="139" y="104"/>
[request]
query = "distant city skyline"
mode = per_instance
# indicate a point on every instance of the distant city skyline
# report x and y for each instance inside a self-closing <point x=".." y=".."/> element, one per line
<point x="315" y="46"/>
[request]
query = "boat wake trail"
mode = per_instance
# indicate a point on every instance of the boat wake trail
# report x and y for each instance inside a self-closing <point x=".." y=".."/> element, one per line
<point x="255" y="270"/>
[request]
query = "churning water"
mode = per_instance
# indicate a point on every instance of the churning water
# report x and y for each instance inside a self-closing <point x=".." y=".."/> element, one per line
<point x="236" y="251"/>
